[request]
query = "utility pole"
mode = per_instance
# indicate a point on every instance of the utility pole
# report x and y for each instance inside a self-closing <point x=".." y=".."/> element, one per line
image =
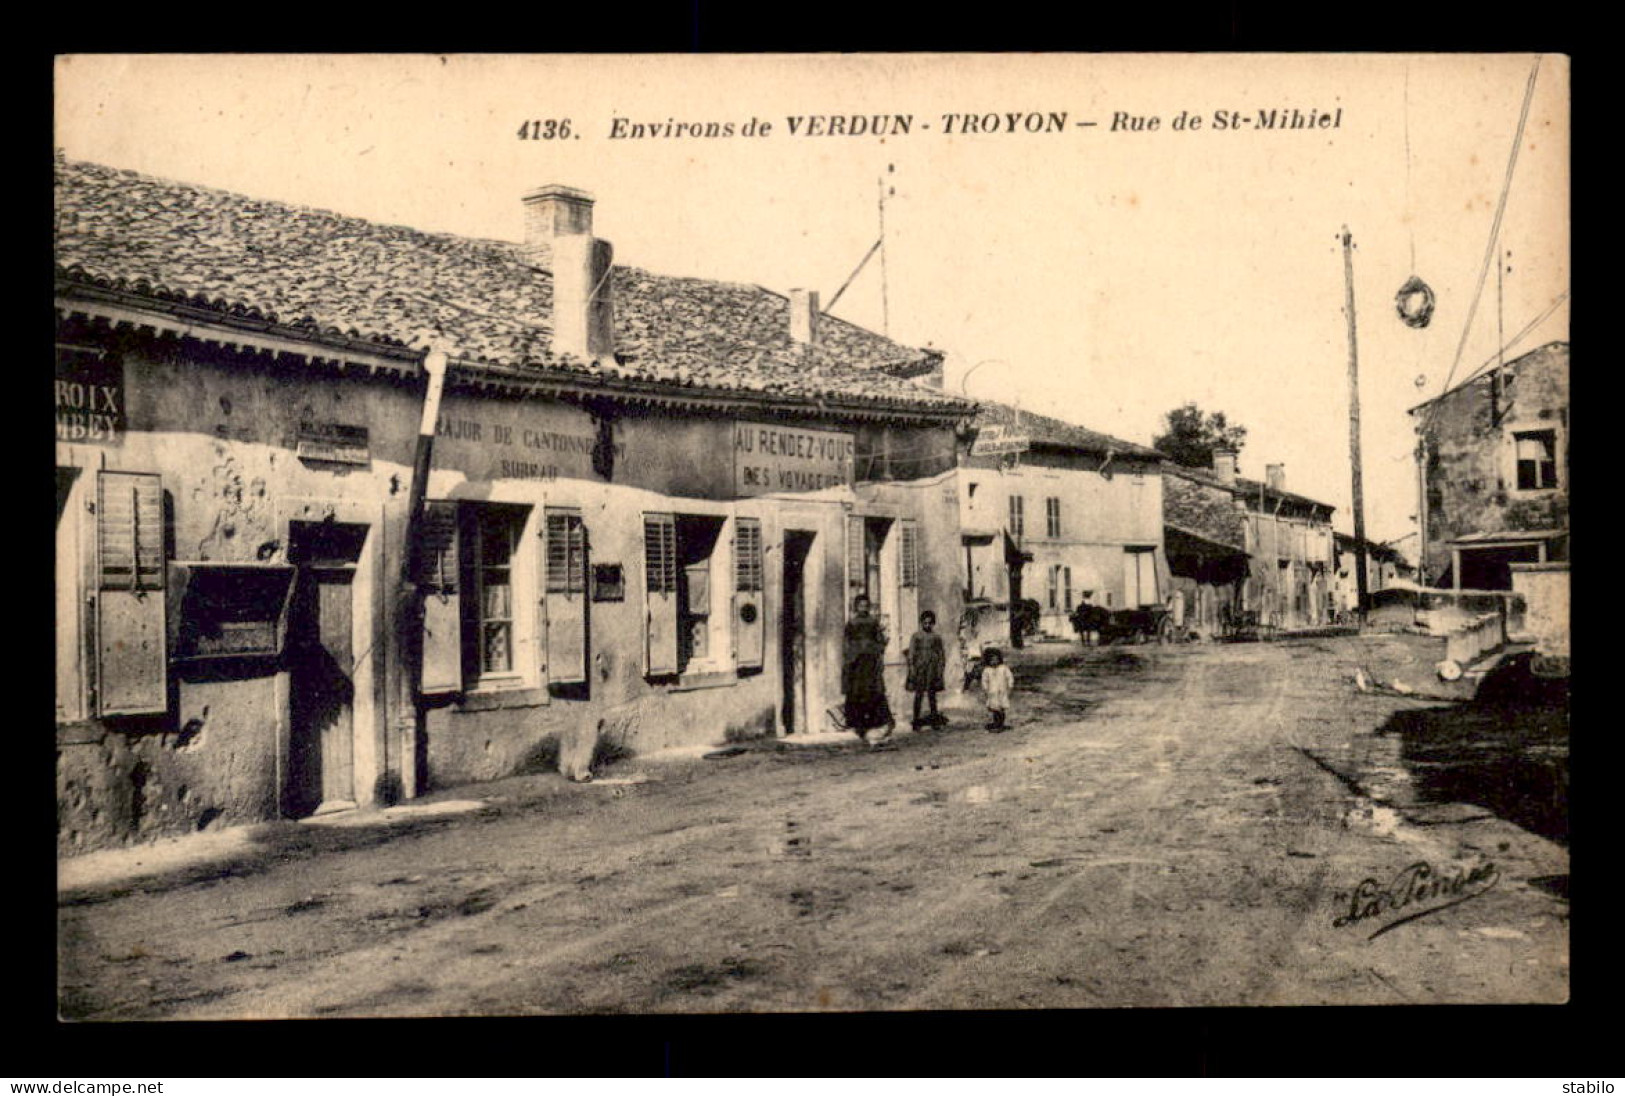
<point x="1354" y="426"/>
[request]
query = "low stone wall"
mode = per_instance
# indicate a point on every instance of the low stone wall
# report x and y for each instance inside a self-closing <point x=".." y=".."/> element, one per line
<point x="1544" y="588"/>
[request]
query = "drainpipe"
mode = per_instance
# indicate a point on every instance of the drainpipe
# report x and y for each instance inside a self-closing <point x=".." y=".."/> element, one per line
<point x="410" y="607"/>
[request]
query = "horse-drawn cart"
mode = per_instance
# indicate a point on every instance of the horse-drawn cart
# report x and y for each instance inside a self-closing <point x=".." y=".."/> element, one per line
<point x="1153" y="622"/>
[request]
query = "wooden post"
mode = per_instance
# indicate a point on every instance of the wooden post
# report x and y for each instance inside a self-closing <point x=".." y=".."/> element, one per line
<point x="1354" y="428"/>
<point x="409" y="604"/>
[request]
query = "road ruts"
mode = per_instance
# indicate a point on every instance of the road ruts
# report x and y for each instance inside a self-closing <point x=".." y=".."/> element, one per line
<point x="1148" y="834"/>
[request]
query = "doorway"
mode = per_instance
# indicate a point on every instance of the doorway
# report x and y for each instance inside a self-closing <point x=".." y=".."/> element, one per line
<point x="793" y="632"/>
<point x="321" y="661"/>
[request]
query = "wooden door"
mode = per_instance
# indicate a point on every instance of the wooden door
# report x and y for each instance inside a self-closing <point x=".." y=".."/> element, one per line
<point x="322" y="750"/>
<point x="793" y="633"/>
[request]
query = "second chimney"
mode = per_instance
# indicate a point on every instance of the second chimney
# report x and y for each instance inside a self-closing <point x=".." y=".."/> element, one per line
<point x="804" y="316"/>
<point x="559" y="239"/>
<point x="1224" y="466"/>
<point x="1275" y="476"/>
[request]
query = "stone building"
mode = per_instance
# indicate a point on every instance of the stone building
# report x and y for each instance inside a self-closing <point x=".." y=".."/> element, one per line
<point x="1205" y="533"/>
<point x="1494" y="471"/>
<point x="1050" y="512"/>
<point x="1287" y="539"/>
<point x="648" y="503"/>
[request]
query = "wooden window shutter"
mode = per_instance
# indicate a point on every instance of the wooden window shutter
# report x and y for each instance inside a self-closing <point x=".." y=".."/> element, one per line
<point x="908" y="582"/>
<point x="131" y="648"/>
<point x="566" y="602"/>
<point x="909" y="546"/>
<point x="749" y="625"/>
<point x="440" y="580"/>
<point x="660" y="593"/>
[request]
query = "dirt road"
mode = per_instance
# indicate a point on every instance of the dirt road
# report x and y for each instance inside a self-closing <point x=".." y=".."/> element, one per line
<point x="1162" y="827"/>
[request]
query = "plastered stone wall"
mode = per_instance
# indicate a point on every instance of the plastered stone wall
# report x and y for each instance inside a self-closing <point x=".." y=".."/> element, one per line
<point x="1469" y="477"/>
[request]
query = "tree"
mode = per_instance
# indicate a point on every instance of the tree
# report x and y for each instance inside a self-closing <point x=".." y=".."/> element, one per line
<point x="1192" y="436"/>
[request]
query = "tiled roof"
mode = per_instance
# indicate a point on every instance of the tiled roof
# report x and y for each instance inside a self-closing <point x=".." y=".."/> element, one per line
<point x="1248" y="489"/>
<point x="332" y="275"/>
<point x="1057" y="433"/>
<point x="1204" y="509"/>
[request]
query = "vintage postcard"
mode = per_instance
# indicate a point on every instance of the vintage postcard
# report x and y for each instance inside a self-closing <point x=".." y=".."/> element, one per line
<point x="545" y="535"/>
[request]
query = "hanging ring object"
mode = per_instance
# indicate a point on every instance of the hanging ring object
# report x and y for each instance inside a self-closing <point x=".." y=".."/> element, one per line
<point x="1414" y="302"/>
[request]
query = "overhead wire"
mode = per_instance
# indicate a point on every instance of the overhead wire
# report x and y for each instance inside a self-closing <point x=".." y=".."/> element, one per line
<point x="1495" y="226"/>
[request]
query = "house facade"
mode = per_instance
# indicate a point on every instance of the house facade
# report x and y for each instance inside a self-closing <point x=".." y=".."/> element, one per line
<point x="1205" y="533"/>
<point x="647" y="503"/>
<point x="1287" y="539"/>
<point x="1052" y="512"/>
<point x="1494" y="473"/>
<point x="1384" y="566"/>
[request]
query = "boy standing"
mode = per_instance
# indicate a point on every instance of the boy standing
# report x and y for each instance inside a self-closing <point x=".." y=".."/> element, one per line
<point x="997" y="682"/>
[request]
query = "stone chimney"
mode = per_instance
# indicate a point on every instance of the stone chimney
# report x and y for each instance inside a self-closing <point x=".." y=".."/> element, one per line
<point x="804" y="314"/>
<point x="559" y="239"/>
<point x="1224" y="466"/>
<point x="1275" y="476"/>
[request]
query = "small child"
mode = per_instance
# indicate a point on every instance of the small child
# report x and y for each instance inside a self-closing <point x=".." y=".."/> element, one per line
<point x="997" y="681"/>
<point x="926" y="659"/>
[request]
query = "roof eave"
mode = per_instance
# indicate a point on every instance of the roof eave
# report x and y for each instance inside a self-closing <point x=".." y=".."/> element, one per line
<point x="125" y="309"/>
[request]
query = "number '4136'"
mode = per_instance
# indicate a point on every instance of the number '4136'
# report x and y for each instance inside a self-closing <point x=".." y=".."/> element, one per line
<point x="544" y="129"/>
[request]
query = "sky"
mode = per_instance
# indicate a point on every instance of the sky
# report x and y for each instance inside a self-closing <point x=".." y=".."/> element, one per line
<point x="1103" y="274"/>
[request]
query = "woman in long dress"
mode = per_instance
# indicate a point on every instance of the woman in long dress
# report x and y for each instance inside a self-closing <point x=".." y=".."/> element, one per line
<point x="863" y="680"/>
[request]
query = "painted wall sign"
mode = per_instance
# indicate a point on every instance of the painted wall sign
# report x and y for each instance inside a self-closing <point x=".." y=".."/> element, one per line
<point x="519" y="440"/>
<point x="771" y="459"/>
<point x="89" y="396"/>
<point x="995" y="440"/>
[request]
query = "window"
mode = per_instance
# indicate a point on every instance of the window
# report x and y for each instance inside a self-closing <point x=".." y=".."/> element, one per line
<point x="866" y="539"/>
<point x="480" y="593"/>
<point x="231" y="610"/>
<point x="1054" y="587"/>
<point x="1066" y="587"/>
<point x="495" y="539"/>
<point x="1018" y="523"/>
<point x="1052" y="517"/>
<point x="678" y="556"/>
<point x="131" y="645"/>
<point x="1537" y="460"/>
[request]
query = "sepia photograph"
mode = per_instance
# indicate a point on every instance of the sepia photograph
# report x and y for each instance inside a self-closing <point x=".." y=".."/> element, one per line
<point x="562" y="535"/>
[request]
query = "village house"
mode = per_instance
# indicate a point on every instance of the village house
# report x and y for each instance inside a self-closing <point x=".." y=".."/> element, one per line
<point x="1051" y="512"/>
<point x="1287" y="539"/>
<point x="1385" y="569"/>
<point x="1205" y="533"/>
<point x="648" y="502"/>
<point x="1493" y="471"/>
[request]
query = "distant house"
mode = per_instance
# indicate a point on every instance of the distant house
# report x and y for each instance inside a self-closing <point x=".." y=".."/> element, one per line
<point x="1054" y="512"/>
<point x="1392" y="594"/>
<point x="1205" y="534"/>
<point x="1287" y="539"/>
<point x="1384" y="566"/>
<point x="1495" y="472"/>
